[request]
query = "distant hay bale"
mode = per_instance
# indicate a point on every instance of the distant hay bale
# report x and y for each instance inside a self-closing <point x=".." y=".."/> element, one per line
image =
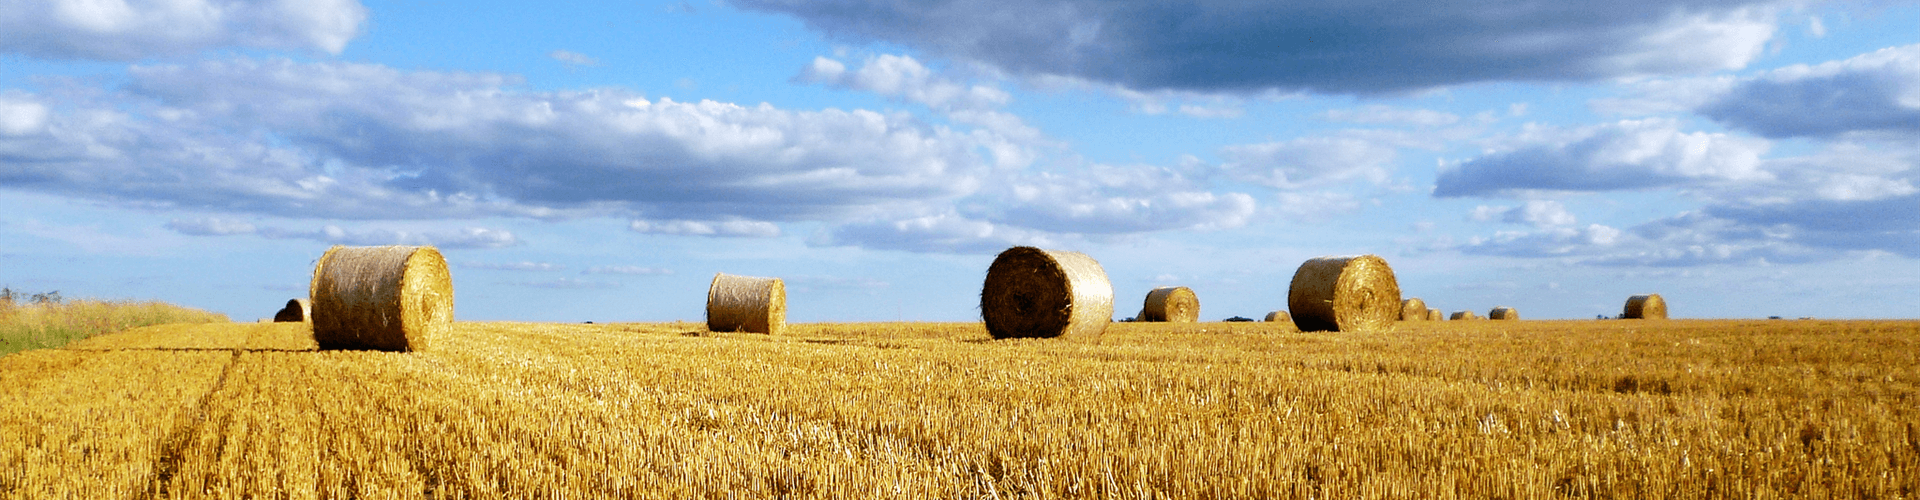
<point x="1463" y="315"/>
<point x="1503" y="313"/>
<point x="1649" y="306"/>
<point x="746" y="304"/>
<point x="1171" y="304"/>
<point x="1353" y="293"/>
<point x="1030" y="292"/>
<point x="297" y="310"/>
<point x="1436" y="315"/>
<point x="389" y="298"/>
<point x="1413" y="309"/>
<point x="1278" y="316"/>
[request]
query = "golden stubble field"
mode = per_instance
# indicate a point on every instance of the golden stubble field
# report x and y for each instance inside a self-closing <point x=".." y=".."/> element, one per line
<point x="1530" y="409"/>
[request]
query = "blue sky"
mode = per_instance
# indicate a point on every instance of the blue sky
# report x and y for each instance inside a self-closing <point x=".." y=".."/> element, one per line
<point x="600" y="161"/>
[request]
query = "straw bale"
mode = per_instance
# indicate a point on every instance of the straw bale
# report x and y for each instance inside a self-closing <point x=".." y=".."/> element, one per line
<point x="1278" y="316"/>
<point x="297" y="310"/>
<point x="746" y="304"/>
<point x="1462" y="315"/>
<point x="1503" y="313"/>
<point x="390" y="298"/>
<point x="1171" y="304"/>
<point x="1413" y="309"/>
<point x="1436" y="315"/>
<point x="1352" y="293"/>
<point x="1649" y="306"/>
<point x="1030" y="292"/>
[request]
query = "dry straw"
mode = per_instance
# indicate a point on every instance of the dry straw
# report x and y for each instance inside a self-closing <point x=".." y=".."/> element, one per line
<point x="1171" y="304"/>
<point x="390" y="298"/>
<point x="1503" y="313"/>
<point x="1461" y="315"/>
<point x="1278" y="316"/>
<point x="1649" y="306"/>
<point x="1354" y="293"/>
<point x="1413" y="309"/>
<point x="746" y="304"/>
<point x="1436" y="315"/>
<point x="1030" y="292"/>
<point x="297" y="310"/>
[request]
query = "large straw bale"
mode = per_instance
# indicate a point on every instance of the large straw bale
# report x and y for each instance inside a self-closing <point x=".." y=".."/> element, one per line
<point x="1503" y="313"/>
<point x="1171" y="304"/>
<point x="1413" y="309"/>
<point x="1030" y="292"/>
<point x="1278" y="316"/>
<point x="1436" y="315"/>
<point x="1649" y="306"/>
<point x="746" y="304"/>
<point x="390" y="298"/>
<point x="1463" y="315"/>
<point x="297" y="310"/>
<point x="1352" y="293"/>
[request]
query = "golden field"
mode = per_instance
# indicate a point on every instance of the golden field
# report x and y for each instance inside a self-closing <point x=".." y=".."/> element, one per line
<point x="1471" y="409"/>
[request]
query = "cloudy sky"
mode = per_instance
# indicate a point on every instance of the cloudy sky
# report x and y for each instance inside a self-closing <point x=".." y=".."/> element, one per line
<point x="600" y="161"/>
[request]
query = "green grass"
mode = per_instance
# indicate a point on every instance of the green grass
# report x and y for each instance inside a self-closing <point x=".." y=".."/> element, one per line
<point x="54" y="324"/>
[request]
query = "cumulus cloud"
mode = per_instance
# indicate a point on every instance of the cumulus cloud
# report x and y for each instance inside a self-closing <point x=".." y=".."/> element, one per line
<point x="1219" y="46"/>
<point x="126" y="30"/>
<point x="904" y="78"/>
<point x="1628" y="154"/>
<point x="1874" y="92"/>
<point x="369" y="142"/>
<point x="366" y="142"/>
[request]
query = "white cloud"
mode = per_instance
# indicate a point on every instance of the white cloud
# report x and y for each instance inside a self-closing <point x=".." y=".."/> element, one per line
<point x="210" y="226"/>
<point x="1309" y="161"/>
<point x="571" y="58"/>
<point x="125" y="30"/>
<point x="471" y="237"/>
<point x="21" y="114"/>
<point x="514" y="266"/>
<point x="946" y="232"/>
<point x="1382" y="114"/>
<point x="633" y="270"/>
<point x="1629" y="154"/>
<point x="904" y="79"/>
<point x="1876" y="92"/>
<point x="731" y="228"/>
<point x="1537" y="213"/>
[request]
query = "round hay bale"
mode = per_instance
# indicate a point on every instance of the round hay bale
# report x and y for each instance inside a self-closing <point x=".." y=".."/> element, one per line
<point x="746" y="304"/>
<point x="1030" y="292"/>
<point x="1436" y="315"/>
<point x="1649" y="306"/>
<point x="1353" y="293"/>
<point x="1463" y="315"/>
<point x="1503" y="313"/>
<point x="1171" y="304"/>
<point x="1278" y="316"/>
<point x="1413" y="309"/>
<point x="389" y="298"/>
<point x="297" y="310"/>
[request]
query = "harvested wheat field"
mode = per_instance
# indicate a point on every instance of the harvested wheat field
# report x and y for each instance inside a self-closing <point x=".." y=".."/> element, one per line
<point x="1535" y="409"/>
